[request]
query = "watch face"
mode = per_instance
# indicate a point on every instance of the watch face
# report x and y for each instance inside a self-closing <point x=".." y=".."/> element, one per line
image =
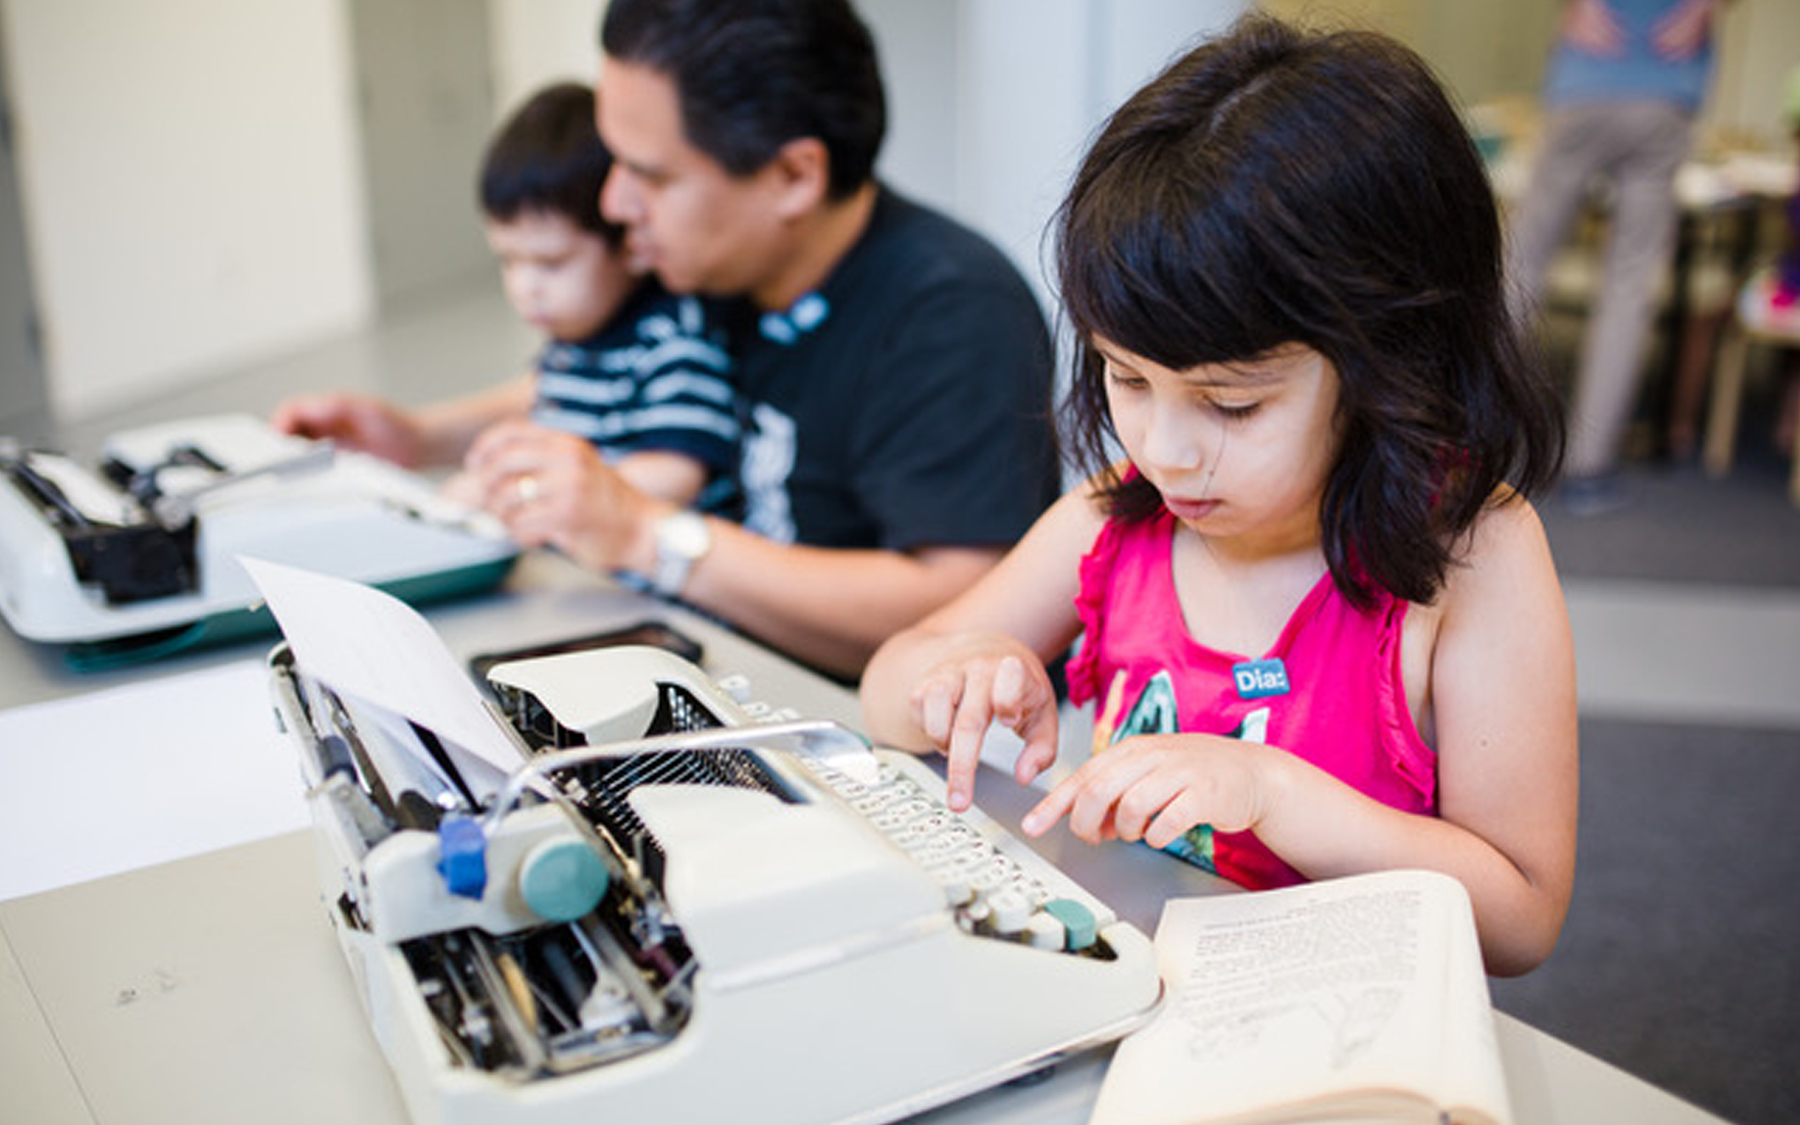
<point x="686" y="535"/>
<point x="681" y="539"/>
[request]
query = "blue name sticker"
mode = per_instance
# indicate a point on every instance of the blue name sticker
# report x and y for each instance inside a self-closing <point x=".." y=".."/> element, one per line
<point x="1259" y="678"/>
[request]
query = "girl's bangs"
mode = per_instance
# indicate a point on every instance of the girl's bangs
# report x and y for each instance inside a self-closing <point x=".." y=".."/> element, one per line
<point x="1174" y="280"/>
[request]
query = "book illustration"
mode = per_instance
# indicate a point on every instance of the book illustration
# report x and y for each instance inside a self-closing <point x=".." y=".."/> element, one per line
<point x="1362" y="1022"/>
<point x="1354" y="1021"/>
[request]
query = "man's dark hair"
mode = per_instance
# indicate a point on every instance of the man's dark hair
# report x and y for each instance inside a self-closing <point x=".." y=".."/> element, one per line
<point x="754" y="74"/>
<point x="547" y="157"/>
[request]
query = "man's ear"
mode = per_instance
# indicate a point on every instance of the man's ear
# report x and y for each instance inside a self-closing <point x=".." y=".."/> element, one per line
<point x="802" y="171"/>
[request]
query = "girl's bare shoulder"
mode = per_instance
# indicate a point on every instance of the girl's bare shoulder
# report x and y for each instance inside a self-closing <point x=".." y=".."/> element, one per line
<point x="1504" y="557"/>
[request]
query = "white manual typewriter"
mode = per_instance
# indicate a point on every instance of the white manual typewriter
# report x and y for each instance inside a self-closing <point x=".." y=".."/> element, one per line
<point x="671" y="912"/>
<point x="144" y="548"/>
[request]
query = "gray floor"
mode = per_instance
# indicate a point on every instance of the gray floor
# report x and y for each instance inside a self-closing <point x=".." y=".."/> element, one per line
<point x="1677" y="963"/>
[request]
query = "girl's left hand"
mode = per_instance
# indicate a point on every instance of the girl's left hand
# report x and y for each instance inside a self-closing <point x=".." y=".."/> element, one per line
<point x="1154" y="787"/>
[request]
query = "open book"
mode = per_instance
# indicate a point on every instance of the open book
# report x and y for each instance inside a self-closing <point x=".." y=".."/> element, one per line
<point x="1355" y="999"/>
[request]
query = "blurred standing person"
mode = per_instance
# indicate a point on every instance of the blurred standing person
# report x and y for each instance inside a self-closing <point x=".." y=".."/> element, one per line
<point x="1624" y="84"/>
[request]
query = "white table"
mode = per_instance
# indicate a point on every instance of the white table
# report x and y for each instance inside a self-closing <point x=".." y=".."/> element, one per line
<point x="209" y="988"/>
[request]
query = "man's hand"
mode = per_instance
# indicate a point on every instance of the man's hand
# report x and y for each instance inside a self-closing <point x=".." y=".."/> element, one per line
<point x="553" y="489"/>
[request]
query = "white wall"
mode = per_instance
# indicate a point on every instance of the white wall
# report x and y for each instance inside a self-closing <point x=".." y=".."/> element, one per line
<point x="539" y="41"/>
<point x="189" y="183"/>
<point x="192" y="190"/>
<point x="1759" y="47"/>
<point x="992" y="102"/>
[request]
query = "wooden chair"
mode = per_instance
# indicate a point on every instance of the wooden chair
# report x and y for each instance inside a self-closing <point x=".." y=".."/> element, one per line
<point x="1756" y="320"/>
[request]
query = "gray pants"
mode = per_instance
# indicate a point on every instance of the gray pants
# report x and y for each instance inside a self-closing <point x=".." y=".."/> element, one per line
<point x="1633" y="148"/>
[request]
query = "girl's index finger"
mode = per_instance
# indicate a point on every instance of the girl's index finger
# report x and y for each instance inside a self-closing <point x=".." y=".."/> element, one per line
<point x="973" y="713"/>
<point x="963" y="755"/>
<point x="1055" y="805"/>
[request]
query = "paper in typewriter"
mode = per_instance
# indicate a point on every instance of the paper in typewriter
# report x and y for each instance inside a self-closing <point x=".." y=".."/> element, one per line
<point x="367" y="644"/>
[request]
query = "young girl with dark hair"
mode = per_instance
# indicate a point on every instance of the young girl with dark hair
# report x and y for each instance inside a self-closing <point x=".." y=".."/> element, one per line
<point x="1314" y="611"/>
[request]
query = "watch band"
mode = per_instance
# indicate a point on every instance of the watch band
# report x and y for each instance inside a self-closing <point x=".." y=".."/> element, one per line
<point x="682" y="539"/>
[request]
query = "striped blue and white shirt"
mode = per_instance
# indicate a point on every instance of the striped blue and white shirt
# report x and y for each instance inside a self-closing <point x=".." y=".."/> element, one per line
<point x="658" y="376"/>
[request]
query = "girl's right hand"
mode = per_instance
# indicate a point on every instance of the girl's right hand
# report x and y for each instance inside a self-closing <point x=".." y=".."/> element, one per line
<point x="989" y="679"/>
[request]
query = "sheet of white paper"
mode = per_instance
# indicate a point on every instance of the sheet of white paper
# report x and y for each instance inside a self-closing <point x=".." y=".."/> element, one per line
<point x="419" y="770"/>
<point x="363" y="642"/>
<point x="114" y="780"/>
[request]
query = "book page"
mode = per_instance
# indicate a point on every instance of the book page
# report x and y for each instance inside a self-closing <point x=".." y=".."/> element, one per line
<point x="1329" y="996"/>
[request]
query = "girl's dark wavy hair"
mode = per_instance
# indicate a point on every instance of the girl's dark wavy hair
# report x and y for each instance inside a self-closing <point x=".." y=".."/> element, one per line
<point x="1275" y="186"/>
<point x="547" y="156"/>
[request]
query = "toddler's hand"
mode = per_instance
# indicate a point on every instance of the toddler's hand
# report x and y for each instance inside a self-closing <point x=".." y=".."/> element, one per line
<point x="992" y="679"/>
<point x="353" y="421"/>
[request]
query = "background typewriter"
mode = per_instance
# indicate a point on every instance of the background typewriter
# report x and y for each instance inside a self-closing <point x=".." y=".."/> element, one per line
<point x="137" y="556"/>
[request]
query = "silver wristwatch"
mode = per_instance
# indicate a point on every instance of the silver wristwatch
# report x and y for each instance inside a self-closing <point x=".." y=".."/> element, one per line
<point x="682" y="539"/>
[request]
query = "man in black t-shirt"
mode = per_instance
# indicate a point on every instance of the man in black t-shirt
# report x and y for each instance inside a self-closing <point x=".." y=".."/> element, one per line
<point x="895" y="368"/>
<point x="905" y="398"/>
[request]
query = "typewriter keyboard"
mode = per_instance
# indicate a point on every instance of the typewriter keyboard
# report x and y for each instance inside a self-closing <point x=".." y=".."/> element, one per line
<point x="997" y="886"/>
